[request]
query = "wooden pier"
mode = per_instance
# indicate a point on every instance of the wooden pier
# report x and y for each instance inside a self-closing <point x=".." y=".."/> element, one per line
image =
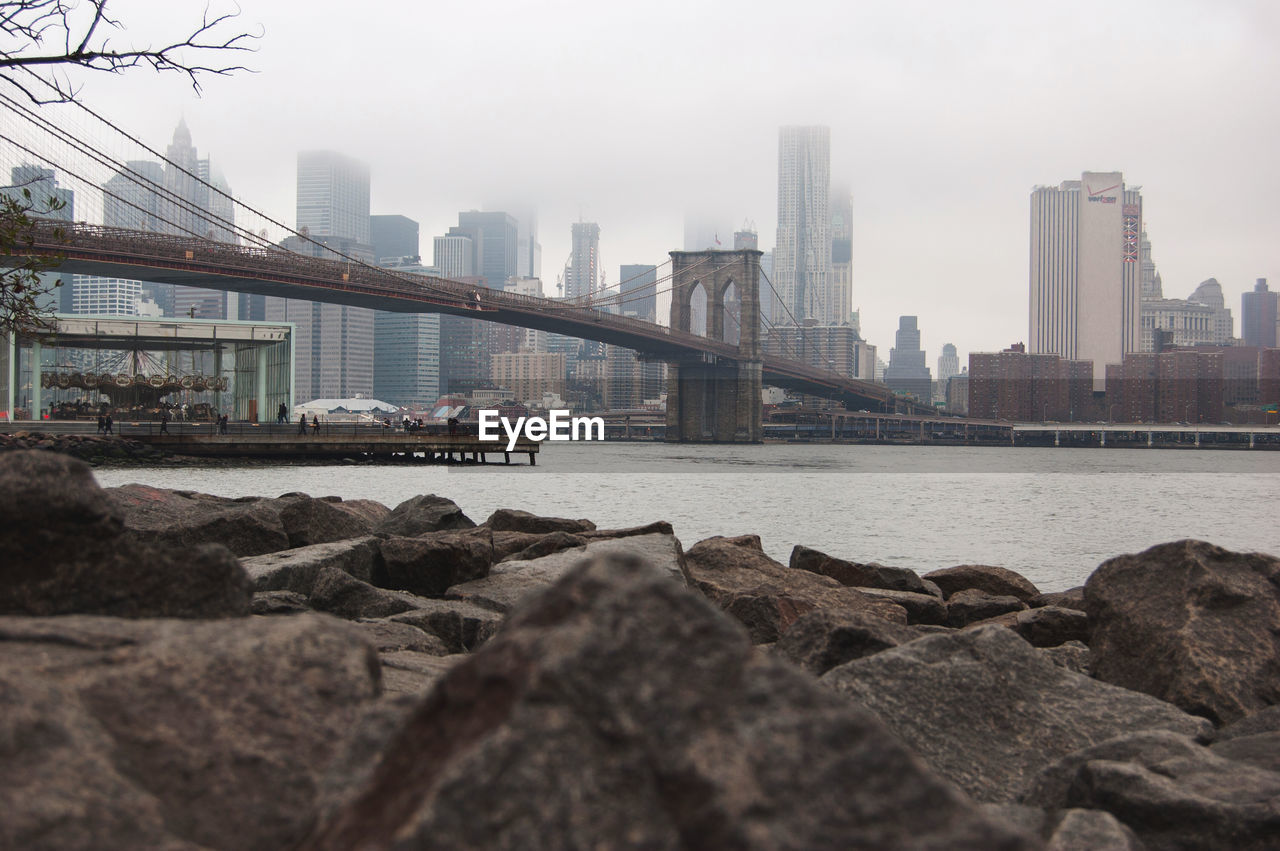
<point x="332" y="441"/>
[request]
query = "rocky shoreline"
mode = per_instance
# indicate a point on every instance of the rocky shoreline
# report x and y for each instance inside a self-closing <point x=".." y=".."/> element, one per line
<point x="184" y="671"/>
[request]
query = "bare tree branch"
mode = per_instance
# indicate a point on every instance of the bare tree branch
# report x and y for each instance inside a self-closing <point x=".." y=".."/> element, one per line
<point x="83" y="34"/>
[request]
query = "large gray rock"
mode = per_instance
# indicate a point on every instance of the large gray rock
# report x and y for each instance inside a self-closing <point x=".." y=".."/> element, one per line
<point x="174" y="519"/>
<point x="296" y="569"/>
<point x="461" y="626"/>
<point x="822" y="639"/>
<point x="997" y="581"/>
<point x="426" y="513"/>
<point x="971" y="605"/>
<point x="987" y="710"/>
<point x="341" y="594"/>
<point x="64" y="550"/>
<point x="589" y="723"/>
<point x="510" y="582"/>
<point x="767" y="597"/>
<point x="1051" y="626"/>
<point x="1172" y="792"/>
<point x="1190" y="623"/>
<point x="310" y="521"/>
<point x="920" y="608"/>
<point x="428" y="564"/>
<point x="1092" y="830"/>
<point x="119" y="734"/>
<point x="514" y="520"/>
<point x="367" y="511"/>
<point x="545" y="545"/>
<point x="857" y="575"/>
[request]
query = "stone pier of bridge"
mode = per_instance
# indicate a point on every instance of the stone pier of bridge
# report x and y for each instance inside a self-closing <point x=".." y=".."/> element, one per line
<point x="714" y="399"/>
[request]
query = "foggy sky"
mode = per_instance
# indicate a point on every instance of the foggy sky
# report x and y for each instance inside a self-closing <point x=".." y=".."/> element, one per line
<point x="943" y="117"/>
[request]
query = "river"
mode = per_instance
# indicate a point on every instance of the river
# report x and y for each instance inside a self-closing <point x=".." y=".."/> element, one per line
<point x="1051" y="514"/>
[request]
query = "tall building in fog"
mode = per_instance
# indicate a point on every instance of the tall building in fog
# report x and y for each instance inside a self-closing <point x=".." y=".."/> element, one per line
<point x="495" y="242"/>
<point x="906" y="371"/>
<point x="528" y="249"/>
<point x="393" y="237"/>
<point x="1086" y="269"/>
<point x="582" y="274"/>
<point x="334" y="342"/>
<point x="129" y="198"/>
<point x="1259" y="314"/>
<point x="802" y="256"/>
<point x="637" y="284"/>
<point x="948" y="362"/>
<point x="406" y="346"/>
<point x="841" y="255"/>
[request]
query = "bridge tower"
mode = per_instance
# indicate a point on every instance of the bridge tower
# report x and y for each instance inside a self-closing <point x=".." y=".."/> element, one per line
<point x="710" y="398"/>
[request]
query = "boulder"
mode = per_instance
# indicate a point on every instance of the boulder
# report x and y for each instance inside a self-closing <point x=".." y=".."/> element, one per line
<point x="1261" y="750"/>
<point x="997" y="581"/>
<point x="172" y="734"/>
<point x="822" y="639"/>
<point x="511" y="581"/>
<point x="514" y="520"/>
<point x="173" y="519"/>
<point x="310" y="521"/>
<point x="856" y="575"/>
<point x="389" y="636"/>
<point x="987" y="710"/>
<point x="506" y="543"/>
<point x="1072" y="655"/>
<point x="367" y="511"/>
<point x="545" y="545"/>
<point x="971" y="605"/>
<point x="427" y="513"/>
<point x="920" y="608"/>
<point x="410" y="672"/>
<point x="658" y="527"/>
<point x="1072" y="598"/>
<point x="461" y="626"/>
<point x="430" y="563"/>
<point x="1092" y="830"/>
<point x="588" y="723"/>
<point x="1050" y="626"/>
<point x="1170" y="791"/>
<point x="1190" y="623"/>
<point x="296" y="569"/>
<point x="341" y="594"/>
<point x="64" y="550"/>
<point x="278" y="603"/>
<point x="767" y="597"/>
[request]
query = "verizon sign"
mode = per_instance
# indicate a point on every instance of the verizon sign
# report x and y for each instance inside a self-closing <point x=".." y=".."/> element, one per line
<point x="1100" y="196"/>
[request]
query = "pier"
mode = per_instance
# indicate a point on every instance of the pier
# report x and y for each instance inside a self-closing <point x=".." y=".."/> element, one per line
<point x="284" y="442"/>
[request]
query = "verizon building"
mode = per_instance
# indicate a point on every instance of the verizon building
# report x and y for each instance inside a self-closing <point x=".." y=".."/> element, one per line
<point x="1085" y="241"/>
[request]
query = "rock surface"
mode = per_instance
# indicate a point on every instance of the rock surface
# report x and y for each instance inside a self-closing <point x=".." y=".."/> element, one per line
<point x="767" y="597"/>
<point x="510" y="582"/>
<point x="997" y="581"/>
<point x="1190" y="623"/>
<point x="64" y="551"/>
<point x="823" y="639"/>
<point x="854" y="574"/>
<point x="587" y="723"/>
<point x="175" y="519"/>
<point x="341" y="594"/>
<point x="971" y="605"/>
<point x="296" y="569"/>
<point x="426" y="513"/>
<point x="514" y="520"/>
<point x="987" y="710"/>
<point x="171" y="734"/>
<point x="430" y="563"/>
<point x="1171" y="791"/>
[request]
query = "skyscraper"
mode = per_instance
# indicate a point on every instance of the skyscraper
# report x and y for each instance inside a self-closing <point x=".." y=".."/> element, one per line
<point x="1086" y="270"/>
<point x="637" y="284"/>
<point x="47" y="201"/>
<point x="495" y="242"/>
<point x="907" y="372"/>
<point x="1258" y="316"/>
<point x="334" y="342"/>
<point x="582" y="274"/>
<point x="393" y="237"/>
<point x="948" y="362"/>
<point x="841" y="255"/>
<point x="802" y="256"/>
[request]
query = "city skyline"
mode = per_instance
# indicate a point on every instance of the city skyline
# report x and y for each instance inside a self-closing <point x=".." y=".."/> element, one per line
<point x="943" y="127"/>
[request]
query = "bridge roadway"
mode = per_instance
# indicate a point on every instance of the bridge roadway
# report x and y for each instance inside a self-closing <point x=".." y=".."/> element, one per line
<point x="138" y="255"/>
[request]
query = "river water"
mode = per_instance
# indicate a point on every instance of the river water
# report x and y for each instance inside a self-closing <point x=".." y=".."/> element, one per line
<point x="1051" y="514"/>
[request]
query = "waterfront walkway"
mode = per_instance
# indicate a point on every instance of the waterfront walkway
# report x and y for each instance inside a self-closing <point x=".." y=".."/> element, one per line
<point x="331" y="441"/>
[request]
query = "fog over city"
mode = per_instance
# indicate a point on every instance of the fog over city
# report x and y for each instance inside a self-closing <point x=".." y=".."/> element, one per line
<point x="943" y="117"/>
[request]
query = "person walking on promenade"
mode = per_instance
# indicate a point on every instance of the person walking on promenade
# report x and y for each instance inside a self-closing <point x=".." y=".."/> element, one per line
<point x="102" y="423"/>
<point x="282" y="414"/>
<point x="107" y="425"/>
<point x="302" y="424"/>
<point x="164" y="422"/>
<point x="315" y="424"/>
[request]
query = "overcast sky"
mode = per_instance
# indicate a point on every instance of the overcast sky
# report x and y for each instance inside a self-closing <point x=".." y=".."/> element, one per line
<point x="943" y="117"/>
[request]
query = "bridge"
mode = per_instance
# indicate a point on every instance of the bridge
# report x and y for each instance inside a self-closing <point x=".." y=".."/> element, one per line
<point x="272" y="271"/>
